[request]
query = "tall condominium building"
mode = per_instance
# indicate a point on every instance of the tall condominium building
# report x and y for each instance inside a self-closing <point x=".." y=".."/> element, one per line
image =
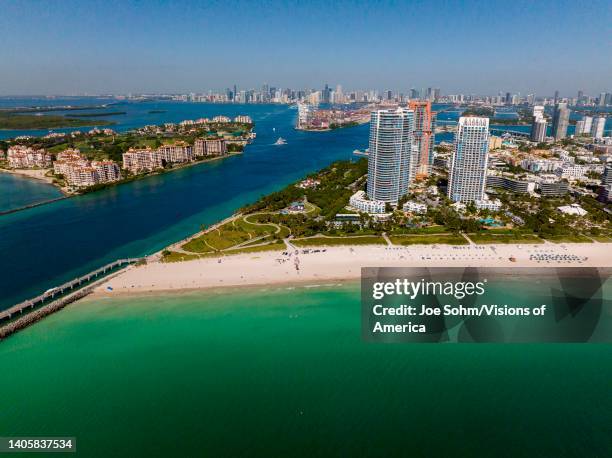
<point x="597" y="129"/>
<point x="588" y="123"/>
<point x="560" y="121"/>
<point x="424" y="132"/>
<point x="538" y="130"/>
<point x="606" y="179"/>
<point x="389" y="161"/>
<point x="468" y="166"/>
<point x="539" y="125"/>
<point x="306" y="113"/>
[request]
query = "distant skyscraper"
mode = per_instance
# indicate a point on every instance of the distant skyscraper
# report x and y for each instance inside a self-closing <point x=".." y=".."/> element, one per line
<point x="556" y="99"/>
<point x="508" y="100"/>
<point x="414" y="93"/>
<point x="538" y="127"/>
<point x="389" y="167"/>
<point x="326" y="94"/>
<point x="468" y="166"/>
<point x="538" y="130"/>
<point x="560" y="121"/>
<point x="424" y="128"/>
<point x="597" y="130"/>
<point x="583" y="126"/>
<point x="538" y="112"/>
<point x="602" y="99"/>
<point x="339" y="96"/>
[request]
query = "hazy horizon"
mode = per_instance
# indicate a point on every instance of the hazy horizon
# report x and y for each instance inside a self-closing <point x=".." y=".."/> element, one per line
<point x="114" y="47"/>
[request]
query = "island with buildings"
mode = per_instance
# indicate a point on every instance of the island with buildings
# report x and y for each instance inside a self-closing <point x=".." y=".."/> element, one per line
<point x="313" y="118"/>
<point x="80" y="162"/>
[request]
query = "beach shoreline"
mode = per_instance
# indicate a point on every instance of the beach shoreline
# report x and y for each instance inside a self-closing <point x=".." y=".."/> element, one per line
<point x="323" y="265"/>
<point x="34" y="174"/>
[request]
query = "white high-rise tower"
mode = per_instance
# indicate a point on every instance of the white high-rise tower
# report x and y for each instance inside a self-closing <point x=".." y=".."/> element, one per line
<point x="468" y="167"/>
<point x="597" y="129"/>
<point x="390" y="158"/>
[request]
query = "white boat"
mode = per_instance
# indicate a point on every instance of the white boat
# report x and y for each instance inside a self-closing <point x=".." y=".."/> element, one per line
<point x="281" y="141"/>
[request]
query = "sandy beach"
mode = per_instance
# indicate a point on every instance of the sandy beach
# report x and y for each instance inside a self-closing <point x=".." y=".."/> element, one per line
<point x="35" y="174"/>
<point x="342" y="263"/>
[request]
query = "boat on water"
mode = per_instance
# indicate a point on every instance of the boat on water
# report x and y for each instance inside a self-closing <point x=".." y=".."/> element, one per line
<point x="280" y="141"/>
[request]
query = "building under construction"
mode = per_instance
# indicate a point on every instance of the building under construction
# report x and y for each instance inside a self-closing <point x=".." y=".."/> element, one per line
<point x="424" y="136"/>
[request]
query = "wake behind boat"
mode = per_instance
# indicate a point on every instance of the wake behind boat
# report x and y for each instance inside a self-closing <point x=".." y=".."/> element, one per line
<point x="280" y="141"/>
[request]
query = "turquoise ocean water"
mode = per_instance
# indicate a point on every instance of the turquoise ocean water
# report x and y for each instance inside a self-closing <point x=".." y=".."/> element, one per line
<point x="283" y="372"/>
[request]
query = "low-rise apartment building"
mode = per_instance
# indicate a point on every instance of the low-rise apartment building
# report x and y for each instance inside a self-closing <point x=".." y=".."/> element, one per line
<point x="360" y="202"/>
<point x="243" y="119"/>
<point x="142" y="160"/>
<point x="25" y="157"/>
<point x="551" y="185"/>
<point x="139" y="160"/>
<point x="510" y="182"/>
<point x="79" y="172"/>
<point x="571" y="171"/>
<point x="415" y="207"/>
<point x="221" y="119"/>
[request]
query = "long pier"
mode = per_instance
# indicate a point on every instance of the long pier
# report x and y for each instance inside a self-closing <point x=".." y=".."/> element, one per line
<point x="36" y="204"/>
<point x="50" y="295"/>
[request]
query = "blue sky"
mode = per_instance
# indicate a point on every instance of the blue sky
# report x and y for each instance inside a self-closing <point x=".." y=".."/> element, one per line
<point x="65" y="47"/>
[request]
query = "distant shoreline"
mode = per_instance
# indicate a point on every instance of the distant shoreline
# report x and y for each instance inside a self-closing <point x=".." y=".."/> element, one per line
<point x="329" y="129"/>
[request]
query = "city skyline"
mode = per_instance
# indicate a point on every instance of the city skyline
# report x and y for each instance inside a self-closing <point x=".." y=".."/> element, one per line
<point x="117" y="47"/>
